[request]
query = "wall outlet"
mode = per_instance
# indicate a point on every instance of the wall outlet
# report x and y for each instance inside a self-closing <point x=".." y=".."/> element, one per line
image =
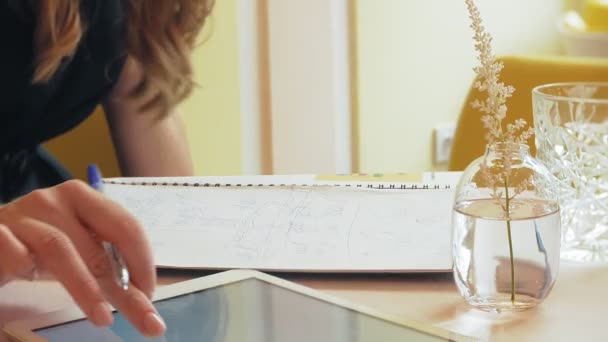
<point x="443" y="134"/>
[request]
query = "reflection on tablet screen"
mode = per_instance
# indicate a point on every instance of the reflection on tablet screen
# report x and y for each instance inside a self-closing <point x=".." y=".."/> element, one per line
<point x="248" y="310"/>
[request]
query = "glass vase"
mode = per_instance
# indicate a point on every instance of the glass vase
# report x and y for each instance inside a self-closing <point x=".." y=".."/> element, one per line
<point x="571" y="130"/>
<point x="505" y="230"/>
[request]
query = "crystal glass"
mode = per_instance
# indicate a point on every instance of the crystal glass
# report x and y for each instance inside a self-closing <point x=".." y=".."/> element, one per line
<point x="505" y="230"/>
<point x="571" y="126"/>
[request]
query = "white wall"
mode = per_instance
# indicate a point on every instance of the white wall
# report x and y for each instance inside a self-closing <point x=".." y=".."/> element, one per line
<point x="415" y="59"/>
<point x="309" y="88"/>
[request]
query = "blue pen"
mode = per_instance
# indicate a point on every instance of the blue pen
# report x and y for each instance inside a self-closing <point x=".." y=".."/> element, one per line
<point x="121" y="273"/>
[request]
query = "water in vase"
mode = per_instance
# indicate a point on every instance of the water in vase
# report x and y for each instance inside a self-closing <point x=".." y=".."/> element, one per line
<point x="481" y="251"/>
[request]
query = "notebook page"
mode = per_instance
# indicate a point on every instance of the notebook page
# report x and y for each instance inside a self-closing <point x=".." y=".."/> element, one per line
<point x="323" y="229"/>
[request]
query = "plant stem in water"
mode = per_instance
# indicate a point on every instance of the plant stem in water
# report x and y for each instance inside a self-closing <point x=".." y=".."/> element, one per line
<point x="510" y="241"/>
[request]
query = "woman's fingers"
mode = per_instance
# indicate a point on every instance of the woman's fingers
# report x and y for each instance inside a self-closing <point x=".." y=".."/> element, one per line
<point x="112" y="223"/>
<point x="15" y="258"/>
<point x="63" y="227"/>
<point x="57" y="254"/>
<point x="133" y="304"/>
<point x="138" y="309"/>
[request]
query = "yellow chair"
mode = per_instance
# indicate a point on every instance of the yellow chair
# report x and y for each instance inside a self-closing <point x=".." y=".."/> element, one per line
<point x="524" y="73"/>
<point x="90" y="142"/>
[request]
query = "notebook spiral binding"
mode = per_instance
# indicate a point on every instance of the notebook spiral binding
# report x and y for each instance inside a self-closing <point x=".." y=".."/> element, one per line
<point x="261" y="185"/>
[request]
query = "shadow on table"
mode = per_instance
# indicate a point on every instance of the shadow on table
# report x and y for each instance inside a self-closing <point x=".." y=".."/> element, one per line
<point x="381" y="281"/>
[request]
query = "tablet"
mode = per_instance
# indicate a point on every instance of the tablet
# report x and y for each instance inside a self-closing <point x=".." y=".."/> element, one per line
<point x="238" y="305"/>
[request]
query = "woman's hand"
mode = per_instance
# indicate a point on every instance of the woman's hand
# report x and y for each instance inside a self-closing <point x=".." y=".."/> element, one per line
<point x="59" y="230"/>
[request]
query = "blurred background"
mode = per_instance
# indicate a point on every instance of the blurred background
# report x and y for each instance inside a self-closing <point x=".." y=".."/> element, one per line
<point x="356" y="86"/>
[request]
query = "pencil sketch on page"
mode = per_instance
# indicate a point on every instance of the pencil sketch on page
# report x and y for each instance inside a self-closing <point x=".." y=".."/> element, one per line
<point x="293" y="228"/>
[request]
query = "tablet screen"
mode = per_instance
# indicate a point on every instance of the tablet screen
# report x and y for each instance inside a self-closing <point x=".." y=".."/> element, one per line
<point x="247" y="310"/>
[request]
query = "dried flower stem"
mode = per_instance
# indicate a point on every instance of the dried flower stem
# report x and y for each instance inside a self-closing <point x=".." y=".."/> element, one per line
<point x="494" y="111"/>
<point x="507" y="200"/>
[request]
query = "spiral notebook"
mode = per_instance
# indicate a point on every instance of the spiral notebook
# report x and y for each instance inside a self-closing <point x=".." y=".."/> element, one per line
<point x="293" y="223"/>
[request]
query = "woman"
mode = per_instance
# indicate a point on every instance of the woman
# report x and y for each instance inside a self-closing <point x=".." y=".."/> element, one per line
<point x="61" y="58"/>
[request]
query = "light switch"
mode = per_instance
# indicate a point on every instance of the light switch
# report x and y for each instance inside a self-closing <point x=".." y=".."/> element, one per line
<point x="442" y="142"/>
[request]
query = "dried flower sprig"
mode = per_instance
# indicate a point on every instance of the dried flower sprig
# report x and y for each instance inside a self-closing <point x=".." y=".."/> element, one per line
<point x="507" y="136"/>
<point x="494" y="107"/>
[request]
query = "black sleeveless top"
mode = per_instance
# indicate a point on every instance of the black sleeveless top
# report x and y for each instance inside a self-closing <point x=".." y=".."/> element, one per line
<point x="31" y="114"/>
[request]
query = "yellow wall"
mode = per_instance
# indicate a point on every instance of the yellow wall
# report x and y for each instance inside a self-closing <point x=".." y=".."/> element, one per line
<point x="414" y="68"/>
<point x="212" y="113"/>
<point x="97" y="148"/>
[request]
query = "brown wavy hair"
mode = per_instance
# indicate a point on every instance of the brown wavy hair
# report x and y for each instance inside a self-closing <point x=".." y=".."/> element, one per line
<point x="161" y="35"/>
